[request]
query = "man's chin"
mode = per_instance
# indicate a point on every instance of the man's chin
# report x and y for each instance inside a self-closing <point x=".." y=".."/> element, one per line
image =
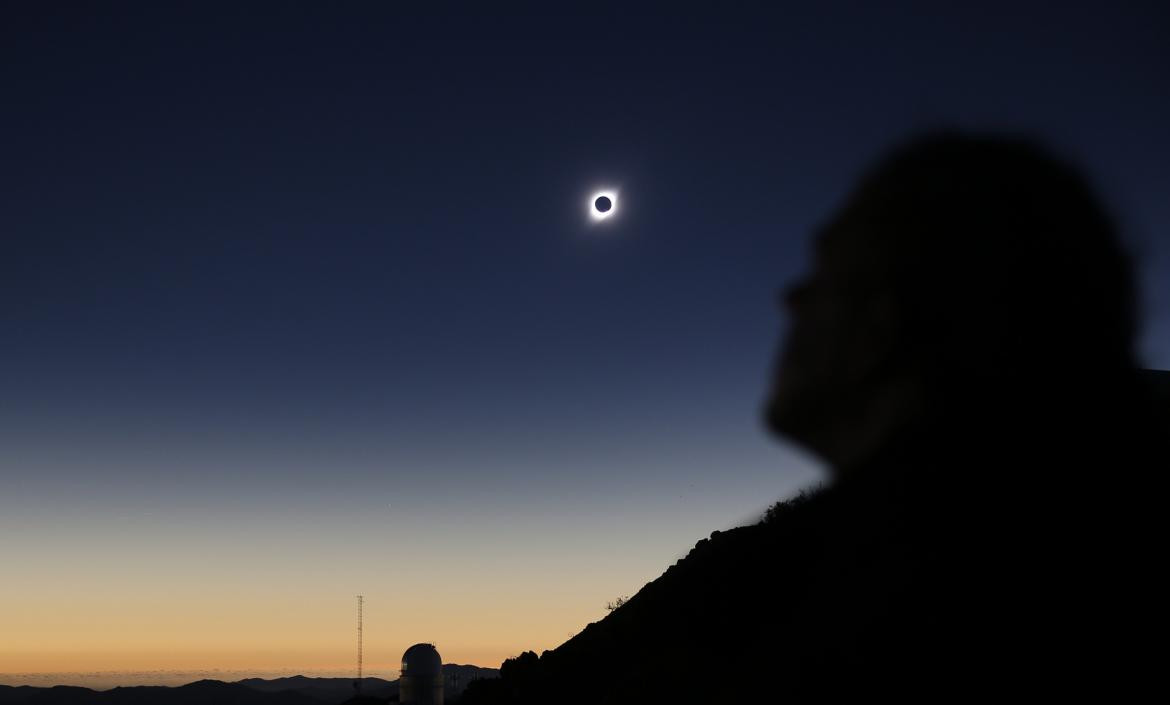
<point x="778" y="414"/>
<point x="792" y="411"/>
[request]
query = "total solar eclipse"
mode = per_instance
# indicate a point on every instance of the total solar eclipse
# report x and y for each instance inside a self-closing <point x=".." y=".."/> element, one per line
<point x="603" y="204"/>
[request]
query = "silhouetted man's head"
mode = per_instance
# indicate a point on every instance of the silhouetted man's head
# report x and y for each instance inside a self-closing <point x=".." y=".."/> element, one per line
<point x="960" y="267"/>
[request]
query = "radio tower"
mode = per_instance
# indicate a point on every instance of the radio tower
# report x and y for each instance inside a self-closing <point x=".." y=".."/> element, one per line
<point x="357" y="685"/>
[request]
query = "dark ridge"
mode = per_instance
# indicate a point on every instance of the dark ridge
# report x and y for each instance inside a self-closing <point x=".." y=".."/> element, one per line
<point x="767" y="611"/>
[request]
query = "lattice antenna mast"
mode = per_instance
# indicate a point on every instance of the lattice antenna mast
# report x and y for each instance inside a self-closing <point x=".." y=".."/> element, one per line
<point x="358" y="684"/>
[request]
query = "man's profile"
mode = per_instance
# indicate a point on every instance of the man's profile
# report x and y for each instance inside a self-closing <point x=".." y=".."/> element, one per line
<point x="962" y="354"/>
<point x="963" y="270"/>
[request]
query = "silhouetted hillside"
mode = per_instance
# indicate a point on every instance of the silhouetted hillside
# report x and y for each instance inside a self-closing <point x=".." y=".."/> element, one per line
<point x="852" y="586"/>
<point x="666" y="611"/>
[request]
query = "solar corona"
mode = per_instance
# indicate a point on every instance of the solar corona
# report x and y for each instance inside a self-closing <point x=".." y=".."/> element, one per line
<point x="603" y="205"/>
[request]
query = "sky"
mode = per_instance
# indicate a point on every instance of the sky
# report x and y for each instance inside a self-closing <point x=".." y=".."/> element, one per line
<point x="301" y="300"/>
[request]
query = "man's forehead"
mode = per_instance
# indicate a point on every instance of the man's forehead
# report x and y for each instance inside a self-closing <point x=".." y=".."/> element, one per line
<point x="868" y="221"/>
<point x="851" y="242"/>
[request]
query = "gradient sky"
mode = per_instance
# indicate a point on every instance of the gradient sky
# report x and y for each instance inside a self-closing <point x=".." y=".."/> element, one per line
<point x="299" y="300"/>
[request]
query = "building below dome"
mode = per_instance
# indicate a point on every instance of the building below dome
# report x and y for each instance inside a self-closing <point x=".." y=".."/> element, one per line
<point x="421" y="679"/>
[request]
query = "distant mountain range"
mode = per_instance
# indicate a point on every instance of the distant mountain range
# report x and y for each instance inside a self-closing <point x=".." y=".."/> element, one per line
<point x="296" y="690"/>
<point x="323" y="690"/>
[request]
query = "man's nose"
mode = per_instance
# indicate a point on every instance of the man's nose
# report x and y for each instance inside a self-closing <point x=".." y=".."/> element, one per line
<point x="793" y="296"/>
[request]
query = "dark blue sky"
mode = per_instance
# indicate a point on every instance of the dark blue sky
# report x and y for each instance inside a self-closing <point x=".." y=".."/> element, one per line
<point x="337" y="252"/>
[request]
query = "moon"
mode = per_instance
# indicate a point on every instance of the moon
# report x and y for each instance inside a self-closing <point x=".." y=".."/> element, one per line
<point x="603" y="205"/>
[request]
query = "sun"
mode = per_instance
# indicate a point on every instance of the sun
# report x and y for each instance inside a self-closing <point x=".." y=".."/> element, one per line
<point x="603" y="205"/>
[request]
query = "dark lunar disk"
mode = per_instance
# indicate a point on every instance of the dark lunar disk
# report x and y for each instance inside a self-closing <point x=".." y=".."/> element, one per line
<point x="603" y="204"/>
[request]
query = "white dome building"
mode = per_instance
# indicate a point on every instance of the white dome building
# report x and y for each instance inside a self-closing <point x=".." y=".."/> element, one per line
<point x="421" y="678"/>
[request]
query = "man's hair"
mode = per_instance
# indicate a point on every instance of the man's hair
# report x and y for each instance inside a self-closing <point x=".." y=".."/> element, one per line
<point x="1003" y="259"/>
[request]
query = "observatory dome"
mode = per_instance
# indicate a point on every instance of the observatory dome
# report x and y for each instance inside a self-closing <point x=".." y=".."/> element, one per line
<point x="422" y="660"/>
